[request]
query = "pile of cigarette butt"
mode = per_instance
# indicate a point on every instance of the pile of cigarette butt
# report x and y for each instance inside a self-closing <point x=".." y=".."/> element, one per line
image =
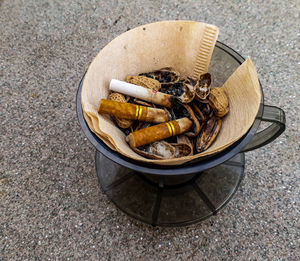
<point x="165" y="115"/>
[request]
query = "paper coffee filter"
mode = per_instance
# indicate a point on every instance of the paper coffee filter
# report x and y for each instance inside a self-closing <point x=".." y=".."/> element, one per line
<point x="184" y="45"/>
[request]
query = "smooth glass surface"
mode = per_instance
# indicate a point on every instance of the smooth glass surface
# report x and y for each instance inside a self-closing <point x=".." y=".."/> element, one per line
<point x="170" y="200"/>
<point x="223" y="63"/>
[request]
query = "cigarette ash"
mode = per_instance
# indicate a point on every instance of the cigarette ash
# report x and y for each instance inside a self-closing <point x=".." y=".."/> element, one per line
<point x="161" y="150"/>
<point x="144" y="148"/>
<point x="158" y="149"/>
<point x="164" y="76"/>
<point x="175" y="89"/>
<point x="204" y="86"/>
<point x="179" y="111"/>
<point x="202" y="110"/>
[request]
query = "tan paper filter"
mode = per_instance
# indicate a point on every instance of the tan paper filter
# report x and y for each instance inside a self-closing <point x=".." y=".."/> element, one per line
<point x="186" y="46"/>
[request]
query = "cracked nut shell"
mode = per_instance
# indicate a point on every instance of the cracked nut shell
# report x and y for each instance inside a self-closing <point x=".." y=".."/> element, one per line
<point x="144" y="82"/>
<point x="218" y="101"/>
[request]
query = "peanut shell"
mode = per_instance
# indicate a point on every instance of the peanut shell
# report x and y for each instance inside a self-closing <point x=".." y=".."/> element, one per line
<point x="144" y="82"/>
<point x="122" y="123"/>
<point x="218" y="101"/>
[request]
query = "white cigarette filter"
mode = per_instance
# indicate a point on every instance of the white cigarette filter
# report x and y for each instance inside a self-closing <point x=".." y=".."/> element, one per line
<point x="140" y="92"/>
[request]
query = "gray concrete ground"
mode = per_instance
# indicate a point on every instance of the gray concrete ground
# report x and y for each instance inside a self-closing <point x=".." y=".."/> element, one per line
<point x="51" y="204"/>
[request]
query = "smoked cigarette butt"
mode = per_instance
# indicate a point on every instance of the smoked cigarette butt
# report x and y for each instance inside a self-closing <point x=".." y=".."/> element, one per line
<point x="131" y="111"/>
<point x="142" y="93"/>
<point x="158" y="132"/>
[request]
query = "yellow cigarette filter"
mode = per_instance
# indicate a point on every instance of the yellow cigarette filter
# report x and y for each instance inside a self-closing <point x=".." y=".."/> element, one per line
<point x="132" y="111"/>
<point x="158" y="132"/>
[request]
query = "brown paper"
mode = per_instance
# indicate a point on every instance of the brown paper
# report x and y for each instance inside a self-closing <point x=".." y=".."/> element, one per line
<point x="153" y="46"/>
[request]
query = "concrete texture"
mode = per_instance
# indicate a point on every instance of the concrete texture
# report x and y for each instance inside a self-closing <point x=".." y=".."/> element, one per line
<point x="51" y="204"/>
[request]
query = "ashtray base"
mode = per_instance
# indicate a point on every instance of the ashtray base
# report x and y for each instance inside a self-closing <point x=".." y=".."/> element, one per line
<point x="170" y="200"/>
